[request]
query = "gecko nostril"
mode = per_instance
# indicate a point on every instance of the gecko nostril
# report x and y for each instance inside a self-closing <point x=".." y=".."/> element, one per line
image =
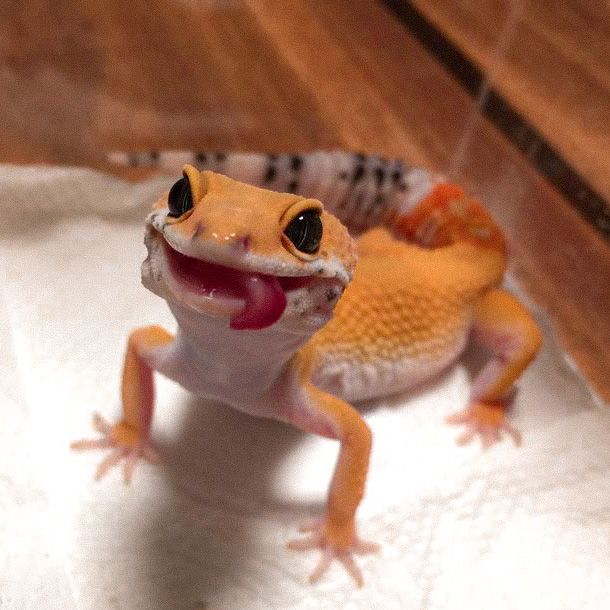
<point x="199" y="229"/>
<point x="243" y="243"/>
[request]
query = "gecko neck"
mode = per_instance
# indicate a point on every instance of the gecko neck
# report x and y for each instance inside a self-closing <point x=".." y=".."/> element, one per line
<point x="243" y="364"/>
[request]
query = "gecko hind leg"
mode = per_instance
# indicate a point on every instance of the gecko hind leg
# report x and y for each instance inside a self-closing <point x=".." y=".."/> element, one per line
<point x="129" y="439"/>
<point x="505" y="327"/>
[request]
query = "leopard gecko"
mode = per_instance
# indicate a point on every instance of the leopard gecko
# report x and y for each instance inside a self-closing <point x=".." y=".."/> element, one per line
<point x="282" y="313"/>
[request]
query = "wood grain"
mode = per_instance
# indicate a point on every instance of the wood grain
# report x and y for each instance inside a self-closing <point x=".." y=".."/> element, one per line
<point x="275" y="76"/>
<point x="550" y="61"/>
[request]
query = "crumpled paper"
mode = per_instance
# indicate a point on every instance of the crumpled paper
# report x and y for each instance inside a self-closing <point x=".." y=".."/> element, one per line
<point x="459" y="527"/>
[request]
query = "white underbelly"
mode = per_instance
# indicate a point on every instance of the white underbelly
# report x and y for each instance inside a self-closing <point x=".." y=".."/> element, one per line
<point x="354" y="380"/>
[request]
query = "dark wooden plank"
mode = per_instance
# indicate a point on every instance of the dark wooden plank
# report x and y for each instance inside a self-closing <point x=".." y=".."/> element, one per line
<point x="551" y="61"/>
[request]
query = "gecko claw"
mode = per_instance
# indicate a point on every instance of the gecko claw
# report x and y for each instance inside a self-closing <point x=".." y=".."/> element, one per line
<point x="324" y="563"/>
<point x="125" y="444"/>
<point x="488" y="421"/>
<point x="318" y="539"/>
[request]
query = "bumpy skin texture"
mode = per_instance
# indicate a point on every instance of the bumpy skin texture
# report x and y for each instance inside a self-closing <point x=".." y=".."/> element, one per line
<point x="425" y="281"/>
<point x="405" y="316"/>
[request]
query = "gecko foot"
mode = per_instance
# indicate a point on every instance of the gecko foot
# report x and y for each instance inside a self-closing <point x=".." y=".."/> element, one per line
<point x="125" y="443"/>
<point x="320" y="537"/>
<point x="487" y="420"/>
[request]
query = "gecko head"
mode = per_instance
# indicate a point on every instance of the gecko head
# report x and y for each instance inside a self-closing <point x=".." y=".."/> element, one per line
<point x="250" y="257"/>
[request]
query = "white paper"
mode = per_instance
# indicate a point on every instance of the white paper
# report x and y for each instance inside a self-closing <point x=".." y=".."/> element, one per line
<point x="459" y="527"/>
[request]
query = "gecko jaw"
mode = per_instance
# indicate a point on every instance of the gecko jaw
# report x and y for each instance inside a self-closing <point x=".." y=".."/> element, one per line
<point x="253" y="300"/>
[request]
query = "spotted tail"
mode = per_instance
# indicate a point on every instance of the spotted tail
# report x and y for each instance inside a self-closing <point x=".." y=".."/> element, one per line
<point x="361" y="190"/>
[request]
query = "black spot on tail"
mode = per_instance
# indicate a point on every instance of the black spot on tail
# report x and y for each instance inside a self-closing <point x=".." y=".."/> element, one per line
<point x="296" y="162"/>
<point x="270" y="174"/>
<point x="379" y="176"/>
<point x="358" y="173"/>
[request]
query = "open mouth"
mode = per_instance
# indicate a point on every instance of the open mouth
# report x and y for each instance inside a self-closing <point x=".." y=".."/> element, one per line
<point x="264" y="296"/>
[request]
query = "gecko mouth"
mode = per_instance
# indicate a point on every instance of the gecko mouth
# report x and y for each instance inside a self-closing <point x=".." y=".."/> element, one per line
<point x="264" y="296"/>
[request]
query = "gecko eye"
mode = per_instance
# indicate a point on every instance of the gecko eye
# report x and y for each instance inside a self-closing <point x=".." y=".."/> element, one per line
<point x="305" y="231"/>
<point x="180" y="199"/>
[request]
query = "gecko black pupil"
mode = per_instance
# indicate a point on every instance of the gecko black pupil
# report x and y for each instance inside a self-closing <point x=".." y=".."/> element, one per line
<point x="305" y="231"/>
<point x="180" y="199"/>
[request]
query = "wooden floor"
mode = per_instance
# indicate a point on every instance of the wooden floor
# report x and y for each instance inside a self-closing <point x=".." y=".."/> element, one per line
<point x="271" y="75"/>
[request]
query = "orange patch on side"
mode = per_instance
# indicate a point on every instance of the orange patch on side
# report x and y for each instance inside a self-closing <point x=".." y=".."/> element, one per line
<point x="448" y="216"/>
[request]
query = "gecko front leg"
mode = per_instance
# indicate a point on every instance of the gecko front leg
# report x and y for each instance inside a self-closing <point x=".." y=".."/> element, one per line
<point x="128" y="439"/>
<point x="335" y="532"/>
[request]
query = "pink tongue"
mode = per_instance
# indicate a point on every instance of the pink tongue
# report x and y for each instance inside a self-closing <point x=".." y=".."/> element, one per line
<point x="265" y="302"/>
